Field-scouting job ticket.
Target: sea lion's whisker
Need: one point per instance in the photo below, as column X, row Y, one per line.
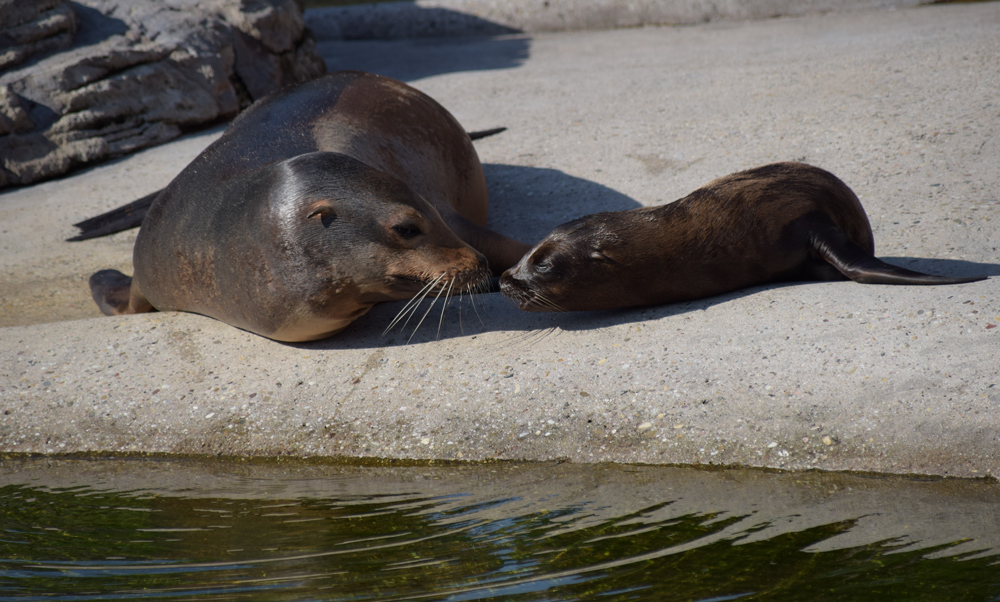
column 546, row 302
column 534, row 300
column 472, row 300
column 444, row 306
column 411, row 305
column 408, row 308
column 512, row 299
column 433, row 302
column 473, row 288
column 426, row 291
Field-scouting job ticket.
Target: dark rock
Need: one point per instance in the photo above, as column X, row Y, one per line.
column 13, row 118
column 33, row 27
column 91, row 80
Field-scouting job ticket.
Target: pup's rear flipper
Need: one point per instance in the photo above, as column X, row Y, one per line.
column 112, row 291
column 860, row 266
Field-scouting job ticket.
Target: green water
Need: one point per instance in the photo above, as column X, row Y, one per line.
column 103, row 529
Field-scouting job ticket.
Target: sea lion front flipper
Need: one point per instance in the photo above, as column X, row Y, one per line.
column 860, row 266
column 114, row 294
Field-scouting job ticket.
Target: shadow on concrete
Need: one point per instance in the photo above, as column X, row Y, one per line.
column 526, row 203
column 945, row 267
column 396, row 21
column 413, row 59
column 409, row 42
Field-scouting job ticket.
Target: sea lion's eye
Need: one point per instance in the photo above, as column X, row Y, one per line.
column 543, row 267
column 602, row 257
column 407, row 231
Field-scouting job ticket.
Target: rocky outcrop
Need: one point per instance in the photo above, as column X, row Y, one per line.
column 91, row 80
column 31, row 28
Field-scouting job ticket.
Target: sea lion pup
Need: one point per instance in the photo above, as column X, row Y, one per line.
column 315, row 204
column 779, row 222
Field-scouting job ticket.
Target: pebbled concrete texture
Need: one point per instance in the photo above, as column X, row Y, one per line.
column 902, row 105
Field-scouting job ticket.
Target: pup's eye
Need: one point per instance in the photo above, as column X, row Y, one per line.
column 600, row 256
column 407, row 231
column 543, row 267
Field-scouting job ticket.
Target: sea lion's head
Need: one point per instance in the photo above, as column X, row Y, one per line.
column 585, row 264
column 351, row 236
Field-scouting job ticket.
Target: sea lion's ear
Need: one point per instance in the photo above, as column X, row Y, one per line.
column 323, row 211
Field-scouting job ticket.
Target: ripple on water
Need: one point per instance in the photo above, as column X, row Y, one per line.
column 102, row 529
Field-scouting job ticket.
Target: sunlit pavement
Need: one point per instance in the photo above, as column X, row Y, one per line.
column 902, row 105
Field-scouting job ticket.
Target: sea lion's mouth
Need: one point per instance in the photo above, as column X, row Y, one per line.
column 443, row 286
column 513, row 290
column 447, row 283
column 400, row 281
column 526, row 297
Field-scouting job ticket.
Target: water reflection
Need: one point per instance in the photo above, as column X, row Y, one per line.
column 78, row 529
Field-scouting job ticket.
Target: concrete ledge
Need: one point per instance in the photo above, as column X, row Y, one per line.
column 838, row 376
column 777, row 377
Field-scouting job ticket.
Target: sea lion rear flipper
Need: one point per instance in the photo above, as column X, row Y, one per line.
column 112, row 291
column 860, row 266
column 484, row 133
column 122, row 218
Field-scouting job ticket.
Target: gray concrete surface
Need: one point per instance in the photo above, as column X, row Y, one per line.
column 902, row 105
column 436, row 18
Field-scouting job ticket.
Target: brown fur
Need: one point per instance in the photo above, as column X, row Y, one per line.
column 779, row 222
column 314, row 205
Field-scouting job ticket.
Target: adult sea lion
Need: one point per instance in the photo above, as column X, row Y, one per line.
column 315, row 204
column 779, row 222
